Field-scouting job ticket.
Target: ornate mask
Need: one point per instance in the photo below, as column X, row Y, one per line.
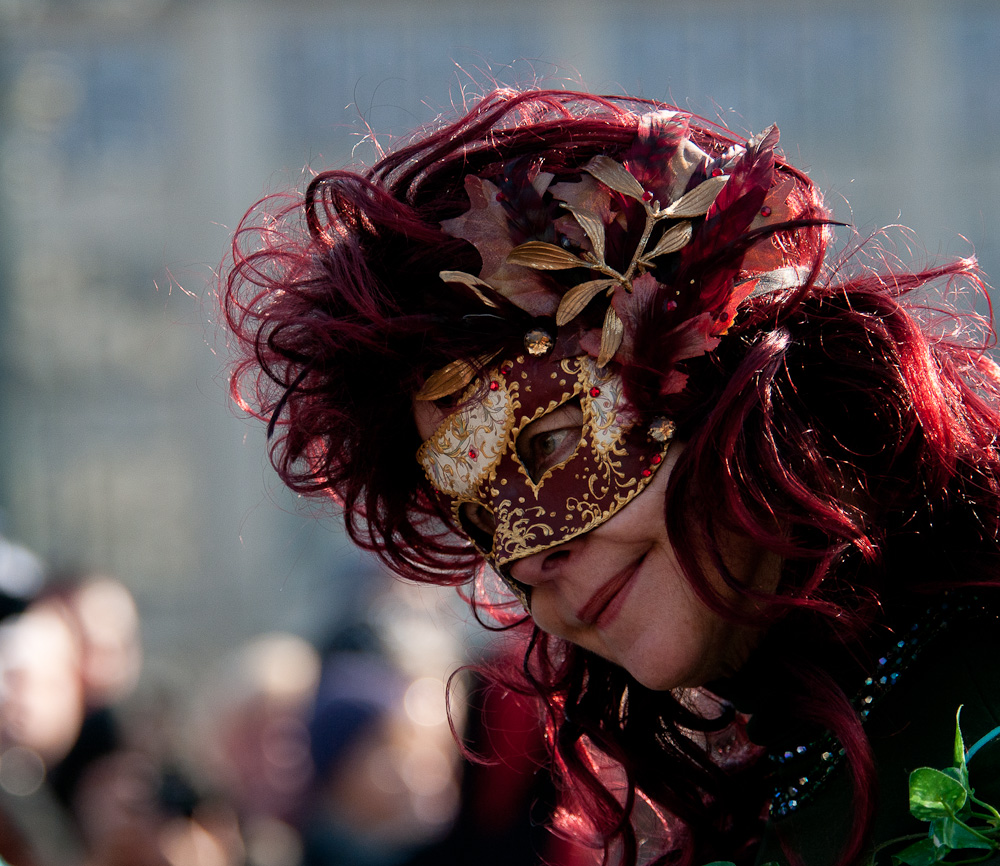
column 538, row 452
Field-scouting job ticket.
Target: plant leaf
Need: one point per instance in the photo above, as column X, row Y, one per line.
column 934, row 794
column 611, row 337
column 544, row 257
column 956, row 834
column 615, row 176
column 923, row 853
column 591, row 223
column 959, row 741
column 578, row 297
column 674, row 238
column 474, row 283
column 697, row 201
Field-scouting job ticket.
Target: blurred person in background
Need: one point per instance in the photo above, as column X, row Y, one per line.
column 740, row 497
column 248, row 741
column 76, row 786
column 385, row 770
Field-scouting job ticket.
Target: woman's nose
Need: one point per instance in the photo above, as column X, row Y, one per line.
column 539, row 567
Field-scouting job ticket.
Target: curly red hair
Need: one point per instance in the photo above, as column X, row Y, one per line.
column 838, row 425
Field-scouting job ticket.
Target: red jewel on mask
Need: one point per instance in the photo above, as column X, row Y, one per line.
column 494, row 385
column 655, row 459
column 595, row 392
column 765, row 211
column 647, row 196
column 473, row 455
column 717, row 172
column 646, row 473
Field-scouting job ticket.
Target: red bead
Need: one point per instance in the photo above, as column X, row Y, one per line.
column 501, row 196
column 494, row 385
column 655, row 459
column 671, row 305
column 595, row 392
column 646, row 473
column 505, row 371
column 647, row 196
column 717, row 172
column 473, row 455
column 765, row 211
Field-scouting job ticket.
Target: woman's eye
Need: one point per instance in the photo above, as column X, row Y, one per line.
column 479, row 524
column 548, row 441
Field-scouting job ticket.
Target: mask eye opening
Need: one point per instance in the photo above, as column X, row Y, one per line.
column 550, row 440
column 479, row 524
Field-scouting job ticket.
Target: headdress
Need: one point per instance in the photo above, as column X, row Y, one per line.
column 666, row 231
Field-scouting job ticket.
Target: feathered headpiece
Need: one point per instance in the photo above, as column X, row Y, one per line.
column 668, row 225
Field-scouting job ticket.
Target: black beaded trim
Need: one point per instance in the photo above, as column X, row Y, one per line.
column 809, row 766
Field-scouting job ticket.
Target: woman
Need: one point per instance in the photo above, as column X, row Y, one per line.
column 725, row 477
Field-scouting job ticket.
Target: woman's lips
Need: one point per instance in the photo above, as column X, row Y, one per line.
column 599, row 602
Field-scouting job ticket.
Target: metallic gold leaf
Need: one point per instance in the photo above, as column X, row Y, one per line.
column 578, row 297
column 544, row 257
column 611, row 337
column 699, row 200
column 447, row 380
column 474, row 283
column 614, row 175
column 452, row 377
column 674, row 238
column 591, row 223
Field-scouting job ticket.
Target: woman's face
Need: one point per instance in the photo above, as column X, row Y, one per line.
column 619, row 591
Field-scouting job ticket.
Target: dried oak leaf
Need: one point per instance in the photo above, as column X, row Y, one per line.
column 586, row 196
column 486, row 227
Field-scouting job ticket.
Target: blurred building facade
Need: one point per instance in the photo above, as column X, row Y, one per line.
column 134, row 134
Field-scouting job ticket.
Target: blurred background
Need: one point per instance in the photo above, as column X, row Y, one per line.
column 133, row 136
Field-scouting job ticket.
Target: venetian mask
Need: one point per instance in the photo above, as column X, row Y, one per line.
column 539, row 451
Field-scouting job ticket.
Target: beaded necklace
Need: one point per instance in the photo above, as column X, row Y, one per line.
column 801, row 771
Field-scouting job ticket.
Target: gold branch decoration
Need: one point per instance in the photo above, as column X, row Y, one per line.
column 549, row 257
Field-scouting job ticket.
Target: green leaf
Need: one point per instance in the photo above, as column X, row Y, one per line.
column 959, row 742
column 934, row 794
column 961, row 775
column 955, row 834
column 923, row 853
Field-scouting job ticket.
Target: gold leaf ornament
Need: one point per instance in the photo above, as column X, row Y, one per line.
column 544, row 257
column 592, row 226
column 615, row 176
column 452, row 377
column 675, row 238
column 697, row 201
column 578, row 297
column 611, row 336
column 477, row 285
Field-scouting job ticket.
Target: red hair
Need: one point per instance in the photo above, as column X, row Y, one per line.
column 837, row 425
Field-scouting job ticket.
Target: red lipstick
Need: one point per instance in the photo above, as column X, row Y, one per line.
column 601, row 600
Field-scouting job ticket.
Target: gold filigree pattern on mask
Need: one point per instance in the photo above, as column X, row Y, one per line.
column 468, row 445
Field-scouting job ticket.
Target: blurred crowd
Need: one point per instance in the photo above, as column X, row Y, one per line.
column 281, row 753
